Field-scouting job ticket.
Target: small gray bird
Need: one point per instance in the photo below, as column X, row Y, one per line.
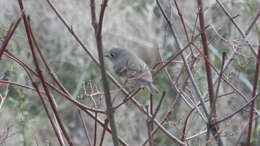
column 127, row 64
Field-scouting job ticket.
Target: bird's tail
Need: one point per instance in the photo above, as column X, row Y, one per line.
column 152, row 89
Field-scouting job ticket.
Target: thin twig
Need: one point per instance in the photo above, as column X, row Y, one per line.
column 49, row 69
column 237, row 27
column 209, row 76
column 243, row 131
column 95, row 131
column 148, row 125
column 136, row 103
column 224, row 78
column 173, row 105
column 18, row 85
column 75, row 102
column 46, row 109
column 84, row 127
column 101, row 123
column 186, row 124
column 98, row 35
column 252, row 23
column 103, row 133
column 179, row 47
column 158, row 106
column 30, row 41
column 2, row 99
column 183, row 24
column 149, row 120
column 253, row 94
column 237, row 111
column 8, row 36
column 219, row 79
column 196, row 135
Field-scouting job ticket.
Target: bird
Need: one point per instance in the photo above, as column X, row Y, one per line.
column 127, row 64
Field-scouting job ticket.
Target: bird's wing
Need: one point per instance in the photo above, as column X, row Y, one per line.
column 125, row 67
column 141, row 71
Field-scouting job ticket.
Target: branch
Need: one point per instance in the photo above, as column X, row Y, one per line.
column 237, row 111
column 213, row 112
column 135, row 102
column 252, row 23
column 75, row 102
column 253, row 94
column 8, row 36
column 179, row 47
column 98, row 34
column 237, row 27
column 30, row 41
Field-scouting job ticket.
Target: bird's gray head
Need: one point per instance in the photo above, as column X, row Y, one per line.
column 115, row 54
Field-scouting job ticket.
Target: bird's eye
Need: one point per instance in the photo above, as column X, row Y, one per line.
column 113, row 54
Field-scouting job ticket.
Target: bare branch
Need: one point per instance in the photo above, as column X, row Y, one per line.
column 8, row 36
column 237, row 27
column 179, row 46
column 253, row 94
column 252, row 23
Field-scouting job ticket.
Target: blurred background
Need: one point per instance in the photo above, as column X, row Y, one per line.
column 139, row 27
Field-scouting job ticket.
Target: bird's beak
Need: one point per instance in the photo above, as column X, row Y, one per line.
column 106, row 54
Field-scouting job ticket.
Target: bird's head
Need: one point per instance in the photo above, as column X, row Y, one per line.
column 115, row 54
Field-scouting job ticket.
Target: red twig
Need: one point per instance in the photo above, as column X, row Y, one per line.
column 43, row 102
column 99, row 42
column 50, row 71
column 138, row 105
column 179, row 47
column 252, row 23
column 173, row 105
column 85, row 127
column 46, row 110
column 103, row 125
column 151, row 124
column 17, row 84
column 95, row 131
column 236, row 26
column 253, row 94
column 8, row 36
column 30, row 41
column 183, row 24
column 223, row 77
column 236, row 111
column 213, row 113
column 243, row 131
column 205, row 49
column 25, row 66
column 103, row 133
column 185, row 124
